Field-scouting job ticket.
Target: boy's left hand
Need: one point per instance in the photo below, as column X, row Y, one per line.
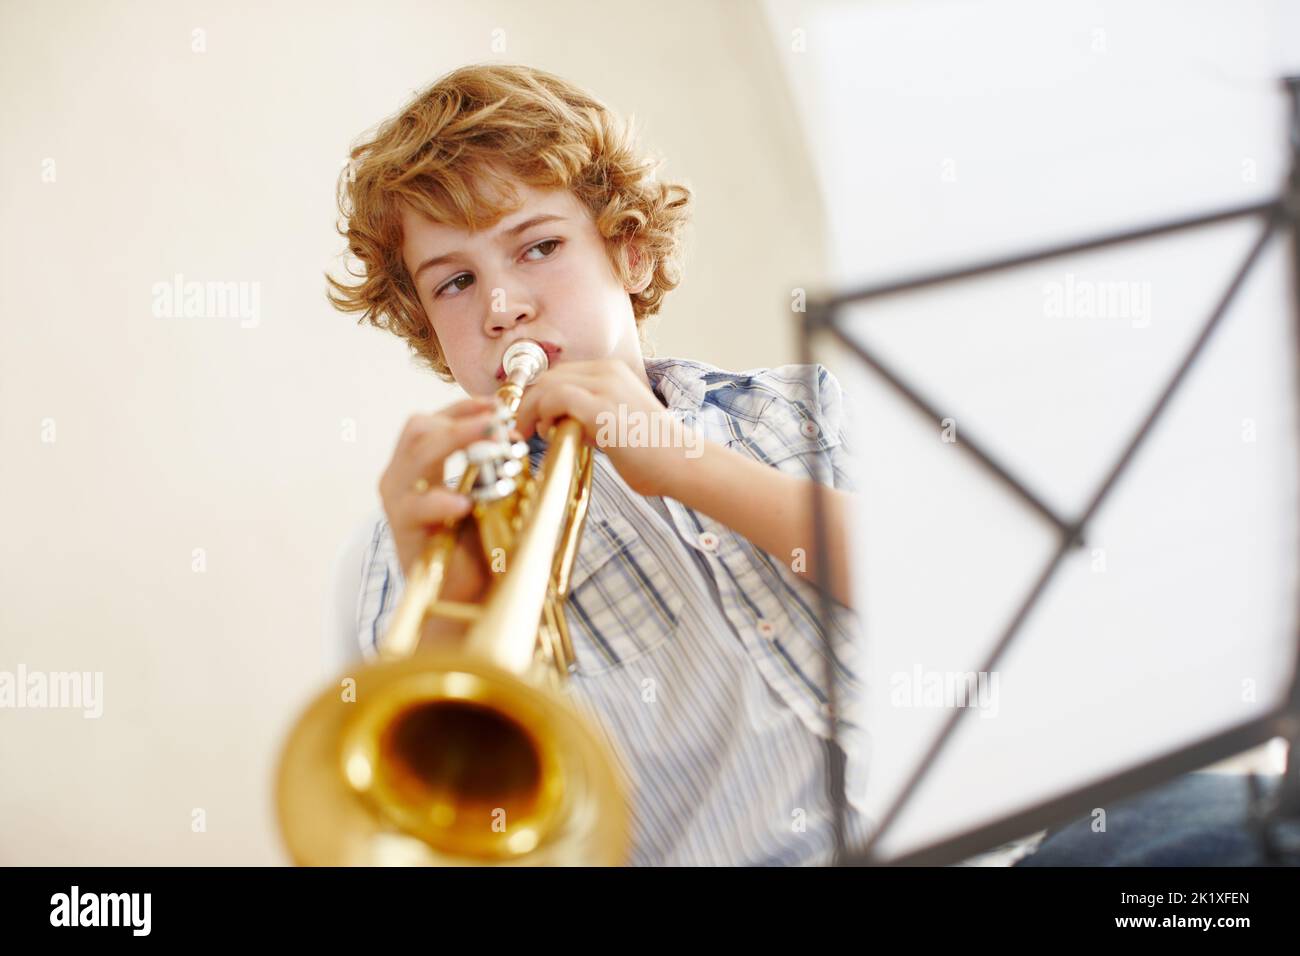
column 619, row 415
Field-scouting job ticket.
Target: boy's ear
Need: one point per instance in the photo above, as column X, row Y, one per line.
column 634, row 266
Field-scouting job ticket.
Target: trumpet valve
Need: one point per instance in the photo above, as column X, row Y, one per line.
column 498, row 467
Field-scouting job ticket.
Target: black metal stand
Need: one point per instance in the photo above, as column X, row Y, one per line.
column 822, row 317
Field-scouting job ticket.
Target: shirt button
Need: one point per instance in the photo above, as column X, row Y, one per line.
column 809, row 428
column 708, row 541
column 766, row 628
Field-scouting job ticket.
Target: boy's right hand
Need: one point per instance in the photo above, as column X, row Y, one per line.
column 414, row 516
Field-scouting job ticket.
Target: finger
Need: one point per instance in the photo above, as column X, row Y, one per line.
column 526, row 412
column 597, row 375
column 433, row 508
column 424, row 456
column 526, row 415
column 596, row 378
column 429, row 453
column 424, row 423
column 547, row 384
column 568, row 400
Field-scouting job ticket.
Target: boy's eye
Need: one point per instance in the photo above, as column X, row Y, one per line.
column 544, row 242
column 454, row 281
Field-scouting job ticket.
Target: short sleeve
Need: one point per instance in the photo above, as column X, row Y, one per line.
column 834, row 419
column 794, row 418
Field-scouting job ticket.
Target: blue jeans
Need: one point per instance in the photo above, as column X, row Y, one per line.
column 1201, row 819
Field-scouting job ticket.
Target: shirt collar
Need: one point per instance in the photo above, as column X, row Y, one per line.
column 683, row 383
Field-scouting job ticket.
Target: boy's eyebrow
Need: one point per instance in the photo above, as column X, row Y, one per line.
column 504, row 234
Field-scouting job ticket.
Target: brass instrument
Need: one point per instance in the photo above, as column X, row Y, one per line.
column 469, row 755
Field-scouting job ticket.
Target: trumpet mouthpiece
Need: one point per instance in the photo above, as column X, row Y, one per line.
column 525, row 359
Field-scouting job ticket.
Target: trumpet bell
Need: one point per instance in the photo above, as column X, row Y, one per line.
column 439, row 760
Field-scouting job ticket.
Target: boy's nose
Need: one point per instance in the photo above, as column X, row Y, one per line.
column 507, row 320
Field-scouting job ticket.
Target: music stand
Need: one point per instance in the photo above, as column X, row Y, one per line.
column 823, row 317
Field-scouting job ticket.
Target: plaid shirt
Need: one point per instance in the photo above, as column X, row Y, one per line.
column 696, row 651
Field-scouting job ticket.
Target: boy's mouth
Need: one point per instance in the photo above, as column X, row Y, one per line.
column 550, row 348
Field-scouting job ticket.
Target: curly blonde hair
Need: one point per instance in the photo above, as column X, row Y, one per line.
column 449, row 154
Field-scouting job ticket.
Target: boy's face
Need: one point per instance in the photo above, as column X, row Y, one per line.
column 551, row 281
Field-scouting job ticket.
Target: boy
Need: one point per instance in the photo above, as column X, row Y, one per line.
column 504, row 203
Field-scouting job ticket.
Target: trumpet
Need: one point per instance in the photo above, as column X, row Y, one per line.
column 471, row 755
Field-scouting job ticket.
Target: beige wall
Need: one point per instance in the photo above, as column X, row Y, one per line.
column 128, row 441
